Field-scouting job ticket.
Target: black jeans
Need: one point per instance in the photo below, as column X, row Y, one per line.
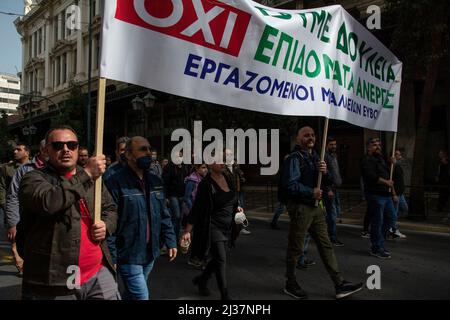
column 367, row 216
column 217, row 264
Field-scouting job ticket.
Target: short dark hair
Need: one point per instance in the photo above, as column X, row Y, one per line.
column 331, row 139
column 22, row 144
column 196, row 166
column 121, row 140
column 372, row 140
column 83, row 148
column 59, row 127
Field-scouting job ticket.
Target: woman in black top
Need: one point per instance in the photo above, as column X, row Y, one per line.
column 213, row 217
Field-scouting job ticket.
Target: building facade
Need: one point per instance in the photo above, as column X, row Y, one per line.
column 55, row 51
column 56, row 55
column 9, row 93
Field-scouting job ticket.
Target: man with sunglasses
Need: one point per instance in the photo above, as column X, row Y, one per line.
column 66, row 257
column 142, row 219
column 379, row 190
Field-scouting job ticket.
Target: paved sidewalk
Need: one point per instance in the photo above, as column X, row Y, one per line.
column 353, row 219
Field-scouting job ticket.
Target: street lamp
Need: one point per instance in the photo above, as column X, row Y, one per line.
column 149, row 100
column 137, row 103
column 25, row 131
column 31, row 129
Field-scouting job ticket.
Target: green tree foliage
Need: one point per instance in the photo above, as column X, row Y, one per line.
column 4, row 137
column 73, row 112
column 421, row 40
column 419, row 26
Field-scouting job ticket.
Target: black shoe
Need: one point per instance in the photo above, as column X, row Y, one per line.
column 382, row 254
column 337, row 243
column 294, row 290
column 347, row 288
column 195, row 262
column 201, row 284
column 224, row 295
column 305, row 264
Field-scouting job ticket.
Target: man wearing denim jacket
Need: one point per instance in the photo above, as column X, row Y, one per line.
column 142, row 217
column 300, row 178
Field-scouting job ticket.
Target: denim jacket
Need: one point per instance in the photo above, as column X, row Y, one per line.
column 299, row 176
column 134, row 205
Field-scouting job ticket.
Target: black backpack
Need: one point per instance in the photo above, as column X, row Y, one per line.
column 283, row 193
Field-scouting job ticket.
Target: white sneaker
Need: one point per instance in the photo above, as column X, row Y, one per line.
column 245, row 231
column 399, row 234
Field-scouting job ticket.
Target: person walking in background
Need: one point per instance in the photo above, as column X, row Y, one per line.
column 121, row 160
column 7, row 170
column 403, row 207
column 400, row 204
column 379, row 190
column 280, row 206
column 174, row 176
column 7, row 173
column 192, row 182
column 331, row 198
column 155, row 167
column 108, row 161
column 12, row 214
column 237, row 176
column 164, row 163
column 83, row 156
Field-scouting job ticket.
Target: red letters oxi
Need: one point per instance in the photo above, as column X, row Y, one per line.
column 211, row 24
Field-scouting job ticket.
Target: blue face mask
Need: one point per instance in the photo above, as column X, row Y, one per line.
column 123, row 158
column 144, row 162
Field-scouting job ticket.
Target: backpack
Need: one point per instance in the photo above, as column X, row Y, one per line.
column 283, row 194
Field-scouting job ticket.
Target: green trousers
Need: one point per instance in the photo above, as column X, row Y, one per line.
column 304, row 219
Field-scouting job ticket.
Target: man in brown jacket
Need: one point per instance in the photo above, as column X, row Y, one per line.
column 65, row 254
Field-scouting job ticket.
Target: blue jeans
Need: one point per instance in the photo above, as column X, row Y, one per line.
column 401, row 207
column 333, row 208
column 382, row 214
column 241, row 199
column 135, row 279
column 175, row 212
column 279, row 209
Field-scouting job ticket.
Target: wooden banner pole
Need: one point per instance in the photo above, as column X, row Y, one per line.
column 394, row 145
column 99, row 128
column 322, row 152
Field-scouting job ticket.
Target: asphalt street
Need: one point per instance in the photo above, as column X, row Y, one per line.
column 419, row 268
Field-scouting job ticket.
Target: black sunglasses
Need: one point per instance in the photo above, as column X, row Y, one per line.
column 59, row 145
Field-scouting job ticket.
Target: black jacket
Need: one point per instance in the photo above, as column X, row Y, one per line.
column 399, row 180
column 200, row 217
column 173, row 178
column 373, row 168
column 237, row 176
